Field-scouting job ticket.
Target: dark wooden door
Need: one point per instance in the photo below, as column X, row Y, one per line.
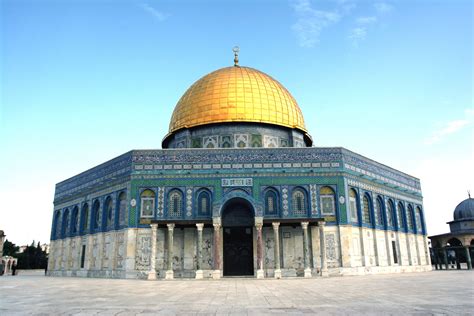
column 238, row 251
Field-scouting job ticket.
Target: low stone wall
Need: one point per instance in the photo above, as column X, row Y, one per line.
column 30, row 272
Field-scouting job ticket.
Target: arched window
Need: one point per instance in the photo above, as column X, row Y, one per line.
column 175, row 203
column 298, row 198
column 400, row 217
column 96, row 214
column 57, row 215
column 147, row 199
column 353, row 206
column 390, row 214
column 410, row 218
column 109, row 212
column 419, row 223
column 75, row 220
column 85, row 217
column 326, row 200
column 271, row 202
column 65, row 223
column 379, row 211
column 122, row 206
column 204, row 203
column 366, row 217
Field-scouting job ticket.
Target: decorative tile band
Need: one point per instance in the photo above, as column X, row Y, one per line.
column 378, row 190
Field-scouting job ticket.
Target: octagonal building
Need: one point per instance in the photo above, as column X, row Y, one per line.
column 238, row 190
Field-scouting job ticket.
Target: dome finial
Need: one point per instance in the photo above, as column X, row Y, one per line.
column 236, row 51
column 469, row 193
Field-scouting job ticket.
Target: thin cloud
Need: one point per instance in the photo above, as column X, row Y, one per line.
column 383, row 7
column 311, row 22
column 160, row 16
column 357, row 34
column 366, row 20
column 450, row 128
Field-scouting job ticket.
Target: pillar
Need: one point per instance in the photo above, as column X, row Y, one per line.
column 445, row 255
column 440, row 256
column 216, row 274
column 2, row 238
column 427, row 253
column 307, row 266
column 324, row 265
column 435, row 258
column 199, row 273
column 152, row 272
column 276, row 236
column 169, row 272
column 468, row 258
column 456, row 258
column 260, row 272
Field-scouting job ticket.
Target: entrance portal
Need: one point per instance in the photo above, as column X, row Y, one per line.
column 238, row 221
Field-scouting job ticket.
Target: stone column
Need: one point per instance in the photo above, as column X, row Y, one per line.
column 445, row 255
column 260, row 272
column 307, row 268
column 468, row 258
column 2, row 238
column 199, row 273
column 216, row 274
column 169, row 272
column 427, row 252
column 440, row 257
column 436, row 259
column 277, row 259
column 152, row 272
column 456, row 258
column 324, row 265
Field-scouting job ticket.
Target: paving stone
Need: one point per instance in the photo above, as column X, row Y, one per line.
column 434, row 293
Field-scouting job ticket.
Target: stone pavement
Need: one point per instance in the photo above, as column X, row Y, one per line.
column 436, row 292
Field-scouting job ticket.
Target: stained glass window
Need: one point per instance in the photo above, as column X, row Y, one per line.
column 122, row 207
column 401, row 220
column 379, row 211
column 204, row 203
column 85, row 214
column 175, row 206
column 366, row 210
column 353, row 205
column 298, row 198
column 147, row 199
column 271, row 203
column 410, row 218
column 390, row 214
column 326, row 199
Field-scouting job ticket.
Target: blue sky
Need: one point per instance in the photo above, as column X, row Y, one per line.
column 85, row 81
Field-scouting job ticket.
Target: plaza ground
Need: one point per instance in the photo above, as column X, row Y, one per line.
column 436, row 292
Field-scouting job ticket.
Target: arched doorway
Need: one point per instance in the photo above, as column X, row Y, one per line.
column 238, row 222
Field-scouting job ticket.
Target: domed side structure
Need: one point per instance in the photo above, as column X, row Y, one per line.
column 237, row 107
column 456, row 246
column 464, row 210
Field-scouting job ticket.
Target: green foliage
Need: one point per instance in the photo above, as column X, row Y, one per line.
column 10, row 249
column 32, row 258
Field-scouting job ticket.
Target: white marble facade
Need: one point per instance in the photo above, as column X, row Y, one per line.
column 348, row 250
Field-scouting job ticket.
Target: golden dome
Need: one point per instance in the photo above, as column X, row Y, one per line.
column 236, row 94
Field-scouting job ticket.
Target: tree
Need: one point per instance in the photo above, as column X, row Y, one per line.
column 33, row 257
column 10, row 249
